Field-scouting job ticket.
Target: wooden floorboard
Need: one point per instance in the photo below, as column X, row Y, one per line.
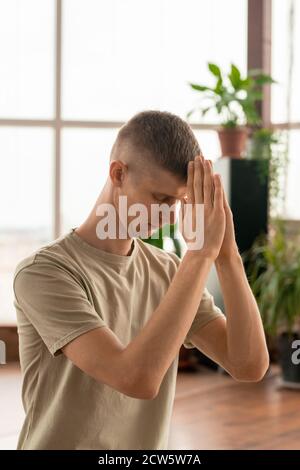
column 211, row 411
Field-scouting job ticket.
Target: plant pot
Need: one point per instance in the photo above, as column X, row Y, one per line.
column 233, row 141
column 290, row 370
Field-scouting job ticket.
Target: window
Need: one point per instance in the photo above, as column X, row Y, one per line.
column 286, row 60
column 26, row 206
column 72, row 71
column 120, row 57
column 85, row 167
column 285, row 110
column 292, row 209
column 27, row 58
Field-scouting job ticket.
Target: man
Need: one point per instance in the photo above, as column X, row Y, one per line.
column 101, row 320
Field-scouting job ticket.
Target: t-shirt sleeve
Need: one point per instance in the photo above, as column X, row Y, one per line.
column 207, row 310
column 55, row 303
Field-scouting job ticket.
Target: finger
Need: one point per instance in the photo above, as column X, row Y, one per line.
column 226, row 205
column 180, row 215
column 218, row 192
column 208, row 184
column 198, row 180
column 213, row 184
column 225, row 200
column 190, row 183
column 181, row 210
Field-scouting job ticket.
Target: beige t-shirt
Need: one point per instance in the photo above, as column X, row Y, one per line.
column 69, row 287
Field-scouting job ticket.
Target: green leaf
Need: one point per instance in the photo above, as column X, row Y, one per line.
column 215, row 70
column 264, row 80
column 246, row 83
column 205, row 110
column 219, row 106
column 190, row 112
column 260, row 78
column 219, row 87
column 235, row 77
column 230, row 124
column 197, row 87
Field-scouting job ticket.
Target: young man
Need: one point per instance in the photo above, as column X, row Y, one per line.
column 101, row 321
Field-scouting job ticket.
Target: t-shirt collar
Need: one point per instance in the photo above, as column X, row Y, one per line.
column 112, row 258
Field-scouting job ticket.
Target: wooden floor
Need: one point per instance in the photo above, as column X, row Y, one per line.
column 211, row 411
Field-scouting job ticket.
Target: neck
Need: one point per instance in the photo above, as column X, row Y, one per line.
column 87, row 230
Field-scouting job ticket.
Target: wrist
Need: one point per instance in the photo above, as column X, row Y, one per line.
column 202, row 255
column 230, row 257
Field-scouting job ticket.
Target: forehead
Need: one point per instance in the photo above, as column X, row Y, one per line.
column 164, row 182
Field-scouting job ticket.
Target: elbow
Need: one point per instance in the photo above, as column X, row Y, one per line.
column 136, row 380
column 140, row 387
column 148, row 394
column 143, row 391
column 252, row 372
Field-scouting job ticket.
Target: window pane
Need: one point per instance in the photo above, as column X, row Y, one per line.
column 26, row 192
column 85, row 164
column 282, row 33
column 121, row 57
column 27, row 58
column 292, row 186
column 209, row 144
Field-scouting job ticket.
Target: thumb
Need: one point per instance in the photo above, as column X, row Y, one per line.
column 181, row 216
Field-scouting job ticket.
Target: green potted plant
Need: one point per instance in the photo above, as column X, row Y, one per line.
column 274, row 275
column 235, row 99
column 268, row 147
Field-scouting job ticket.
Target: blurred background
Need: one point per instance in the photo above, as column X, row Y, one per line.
column 72, row 72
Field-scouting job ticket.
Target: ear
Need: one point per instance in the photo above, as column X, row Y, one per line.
column 117, row 172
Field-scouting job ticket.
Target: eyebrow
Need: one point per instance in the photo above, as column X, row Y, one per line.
column 167, row 195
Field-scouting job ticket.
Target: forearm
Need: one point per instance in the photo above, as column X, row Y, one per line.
column 155, row 347
column 246, row 345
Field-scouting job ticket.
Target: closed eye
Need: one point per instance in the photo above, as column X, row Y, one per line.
column 169, row 201
column 160, row 199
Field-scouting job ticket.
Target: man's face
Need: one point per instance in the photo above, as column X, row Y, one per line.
column 151, row 189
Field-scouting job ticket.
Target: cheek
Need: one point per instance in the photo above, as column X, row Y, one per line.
column 141, row 206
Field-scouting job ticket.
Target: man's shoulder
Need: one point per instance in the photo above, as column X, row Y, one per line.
column 49, row 254
column 24, row 263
